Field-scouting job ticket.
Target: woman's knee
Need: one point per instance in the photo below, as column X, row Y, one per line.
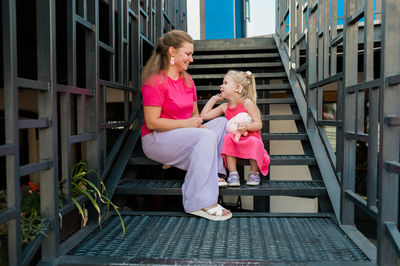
column 208, row 136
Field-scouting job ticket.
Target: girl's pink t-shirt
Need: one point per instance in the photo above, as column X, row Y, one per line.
column 173, row 96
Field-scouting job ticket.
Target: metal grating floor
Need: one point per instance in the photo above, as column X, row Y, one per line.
column 251, row 238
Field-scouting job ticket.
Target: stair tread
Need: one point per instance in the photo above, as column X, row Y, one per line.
column 281, row 117
column 239, row 65
column 262, row 101
column 179, row 238
column 269, row 187
column 284, row 136
column 234, row 56
column 141, row 159
column 259, row 87
column 256, row 75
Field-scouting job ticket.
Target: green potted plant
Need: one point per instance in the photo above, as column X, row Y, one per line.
column 81, row 185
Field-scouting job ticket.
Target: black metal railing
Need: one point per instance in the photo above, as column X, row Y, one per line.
column 349, row 63
column 83, row 84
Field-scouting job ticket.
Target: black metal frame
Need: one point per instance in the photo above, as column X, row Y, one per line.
column 310, row 53
column 104, row 52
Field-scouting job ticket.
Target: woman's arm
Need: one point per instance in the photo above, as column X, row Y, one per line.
column 195, row 110
column 256, row 125
column 208, row 113
column 155, row 122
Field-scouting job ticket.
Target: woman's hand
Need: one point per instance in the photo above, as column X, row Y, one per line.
column 195, row 121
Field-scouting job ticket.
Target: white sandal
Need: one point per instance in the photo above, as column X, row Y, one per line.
column 214, row 214
column 222, row 183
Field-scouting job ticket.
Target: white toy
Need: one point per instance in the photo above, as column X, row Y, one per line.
column 232, row 126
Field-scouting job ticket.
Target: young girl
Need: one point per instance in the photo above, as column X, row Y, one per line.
column 239, row 88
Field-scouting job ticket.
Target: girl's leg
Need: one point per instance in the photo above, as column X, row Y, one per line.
column 253, row 166
column 231, row 163
column 193, row 150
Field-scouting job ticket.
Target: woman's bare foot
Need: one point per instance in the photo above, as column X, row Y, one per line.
column 165, row 166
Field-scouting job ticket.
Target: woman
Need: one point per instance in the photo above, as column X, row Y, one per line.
column 173, row 132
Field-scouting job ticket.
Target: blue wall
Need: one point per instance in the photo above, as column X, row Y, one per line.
column 220, row 20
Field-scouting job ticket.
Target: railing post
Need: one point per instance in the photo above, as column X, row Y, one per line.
column 350, row 49
column 9, row 34
column 389, row 134
column 47, row 105
column 312, row 62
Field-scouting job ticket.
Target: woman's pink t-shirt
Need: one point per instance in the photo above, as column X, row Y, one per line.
column 173, row 96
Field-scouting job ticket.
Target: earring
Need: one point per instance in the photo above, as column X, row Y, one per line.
column 172, row 60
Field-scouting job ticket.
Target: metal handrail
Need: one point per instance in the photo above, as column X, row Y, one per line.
column 312, row 26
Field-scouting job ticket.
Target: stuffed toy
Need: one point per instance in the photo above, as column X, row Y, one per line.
column 232, row 126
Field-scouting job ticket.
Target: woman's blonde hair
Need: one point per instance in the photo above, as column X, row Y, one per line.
column 160, row 58
column 247, row 82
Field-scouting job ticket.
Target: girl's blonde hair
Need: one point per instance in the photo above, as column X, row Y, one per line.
column 160, row 58
column 248, row 84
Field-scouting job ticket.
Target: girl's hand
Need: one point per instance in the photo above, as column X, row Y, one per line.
column 217, row 97
column 194, row 121
column 242, row 127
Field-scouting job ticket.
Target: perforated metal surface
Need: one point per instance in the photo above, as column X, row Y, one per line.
column 269, row 187
column 272, row 239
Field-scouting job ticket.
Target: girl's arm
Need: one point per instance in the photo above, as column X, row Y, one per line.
column 155, row 122
column 208, row 113
column 256, row 125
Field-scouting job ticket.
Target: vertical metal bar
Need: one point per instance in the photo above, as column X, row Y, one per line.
column 65, row 133
column 92, row 107
column 312, row 63
column 378, row 7
column 11, row 126
column 326, row 40
column 277, row 16
column 134, row 42
column 71, row 43
column 322, row 53
column 350, row 47
column 120, row 41
column 373, row 111
column 333, row 35
column 47, row 104
column 339, row 129
column 111, row 8
column 80, row 106
column 389, row 135
column 292, row 33
column 85, row 14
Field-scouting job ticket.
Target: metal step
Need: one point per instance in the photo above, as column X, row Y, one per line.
column 281, row 117
column 239, row 65
column 262, row 101
column 209, row 57
column 261, row 87
column 284, row 136
column 239, row 45
column 181, row 239
column 140, row 159
column 268, row 75
column 266, row 188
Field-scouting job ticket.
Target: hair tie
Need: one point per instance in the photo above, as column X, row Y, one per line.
column 248, row 74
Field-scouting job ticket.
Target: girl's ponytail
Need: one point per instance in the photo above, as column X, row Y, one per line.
column 251, row 91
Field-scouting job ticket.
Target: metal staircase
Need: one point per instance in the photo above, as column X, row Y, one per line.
column 254, row 236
